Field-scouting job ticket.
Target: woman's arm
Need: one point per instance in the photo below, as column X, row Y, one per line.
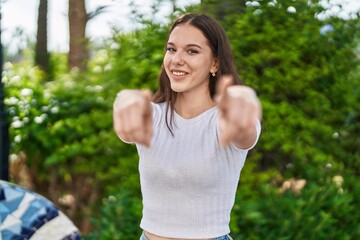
column 240, row 112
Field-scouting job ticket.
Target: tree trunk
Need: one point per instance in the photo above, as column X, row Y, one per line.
column 4, row 126
column 41, row 51
column 78, row 44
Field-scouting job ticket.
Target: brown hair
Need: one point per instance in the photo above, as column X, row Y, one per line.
column 220, row 46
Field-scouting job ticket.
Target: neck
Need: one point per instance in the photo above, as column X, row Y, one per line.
column 192, row 107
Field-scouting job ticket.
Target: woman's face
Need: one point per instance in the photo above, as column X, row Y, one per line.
column 188, row 60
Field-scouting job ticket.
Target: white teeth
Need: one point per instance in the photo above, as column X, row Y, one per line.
column 178, row 73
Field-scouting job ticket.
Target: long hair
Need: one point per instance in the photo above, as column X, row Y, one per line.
column 220, row 47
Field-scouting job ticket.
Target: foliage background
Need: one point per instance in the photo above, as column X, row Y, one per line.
column 300, row 182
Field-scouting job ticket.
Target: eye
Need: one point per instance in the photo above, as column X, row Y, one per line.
column 170, row 49
column 192, row 51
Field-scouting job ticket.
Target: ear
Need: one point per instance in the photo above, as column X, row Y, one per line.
column 215, row 66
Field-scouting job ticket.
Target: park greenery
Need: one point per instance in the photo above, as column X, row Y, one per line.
column 300, row 181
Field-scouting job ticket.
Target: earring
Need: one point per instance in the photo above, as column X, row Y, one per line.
column 213, row 74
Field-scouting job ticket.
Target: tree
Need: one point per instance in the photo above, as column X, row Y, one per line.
column 221, row 9
column 41, row 52
column 4, row 132
column 78, row 18
column 78, row 43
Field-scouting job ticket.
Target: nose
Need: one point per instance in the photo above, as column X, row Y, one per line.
column 178, row 59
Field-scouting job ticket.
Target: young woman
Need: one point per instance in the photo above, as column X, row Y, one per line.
column 192, row 136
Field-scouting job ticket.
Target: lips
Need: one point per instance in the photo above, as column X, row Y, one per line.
column 178, row 73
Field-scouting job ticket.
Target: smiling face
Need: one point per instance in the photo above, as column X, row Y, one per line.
column 188, row 60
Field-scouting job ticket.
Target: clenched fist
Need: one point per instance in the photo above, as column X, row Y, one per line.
column 132, row 116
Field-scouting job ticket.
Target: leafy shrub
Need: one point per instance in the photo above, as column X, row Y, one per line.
column 65, row 130
column 306, row 79
column 120, row 217
column 301, row 74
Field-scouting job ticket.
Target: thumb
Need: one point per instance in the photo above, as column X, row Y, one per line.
column 223, row 83
column 147, row 94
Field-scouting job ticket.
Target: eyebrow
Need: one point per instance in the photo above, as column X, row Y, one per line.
column 188, row 45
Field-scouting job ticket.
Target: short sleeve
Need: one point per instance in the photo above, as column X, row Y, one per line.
column 258, row 131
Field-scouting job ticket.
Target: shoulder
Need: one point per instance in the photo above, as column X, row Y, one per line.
column 158, row 110
column 158, row 107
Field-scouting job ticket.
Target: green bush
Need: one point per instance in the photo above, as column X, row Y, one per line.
column 120, row 217
column 265, row 209
column 65, row 130
column 301, row 76
column 306, row 79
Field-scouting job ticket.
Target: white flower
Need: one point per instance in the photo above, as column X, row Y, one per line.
column 88, row 88
column 335, row 135
column 338, row 180
column 12, row 111
column 12, row 101
column 15, row 118
column 103, row 53
column 15, row 79
column 26, row 92
column 115, row 46
column 47, row 93
column 289, row 166
column 99, row 99
column 326, row 29
column 5, row 79
column 26, row 110
column 272, row 4
column 328, row 165
column 248, row 3
column 97, row 69
column 98, row 88
column 17, row 139
column 291, row 9
column 65, row 104
column 54, row 110
column 17, row 124
column 111, row 198
column 257, row 12
column 40, row 119
column 255, row 4
column 8, row 65
column 70, row 83
column 108, row 67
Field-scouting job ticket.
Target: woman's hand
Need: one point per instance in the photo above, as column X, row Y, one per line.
column 240, row 109
column 132, row 116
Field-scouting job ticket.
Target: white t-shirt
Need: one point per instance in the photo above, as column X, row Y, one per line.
column 188, row 181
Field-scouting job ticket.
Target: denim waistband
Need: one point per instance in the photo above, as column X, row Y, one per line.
column 225, row 237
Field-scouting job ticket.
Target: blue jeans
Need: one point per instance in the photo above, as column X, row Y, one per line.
column 226, row 237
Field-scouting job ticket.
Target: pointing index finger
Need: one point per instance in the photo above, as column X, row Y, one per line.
column 225, row 82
